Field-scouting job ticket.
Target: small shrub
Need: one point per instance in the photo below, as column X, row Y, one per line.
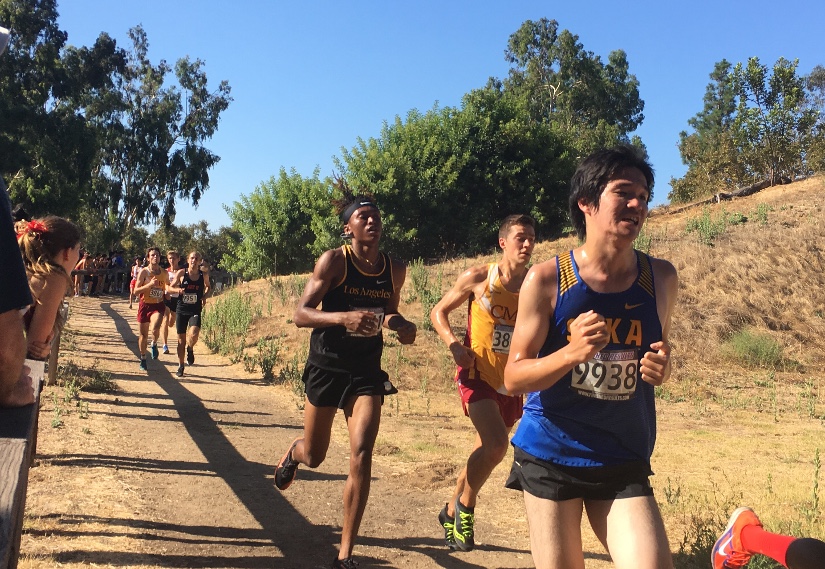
column 249, row 364
column 268, row 356
column 735, row 218
column 761, row 213
column 707, row 228
column 643, row 241
column 756, row 350
column 428, row 293
column 291, row 375
column 75, row 379
column 226, row 325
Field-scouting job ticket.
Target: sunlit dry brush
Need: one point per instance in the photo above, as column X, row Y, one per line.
column 764, row 276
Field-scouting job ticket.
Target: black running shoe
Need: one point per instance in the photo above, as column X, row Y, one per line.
column 348, row 563
column 179, row 373
column 464, row 529
column 448, row 524
column 190, row 355
column 286, row 469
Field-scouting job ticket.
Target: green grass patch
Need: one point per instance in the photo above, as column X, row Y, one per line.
column 755, row 350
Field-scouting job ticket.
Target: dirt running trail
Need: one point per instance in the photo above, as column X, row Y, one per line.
column 170, row 472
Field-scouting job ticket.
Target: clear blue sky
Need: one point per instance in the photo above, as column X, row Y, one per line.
column 308, row 78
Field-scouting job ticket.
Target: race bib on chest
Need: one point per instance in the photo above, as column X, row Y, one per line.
column 156, row 293
column 502, row 335
column 610, row 375
column 378, row 311
column 189, row 298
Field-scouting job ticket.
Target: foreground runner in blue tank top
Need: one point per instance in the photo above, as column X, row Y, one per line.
column 589, row 345
column 598, row 414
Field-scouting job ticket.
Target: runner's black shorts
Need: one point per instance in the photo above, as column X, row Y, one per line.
column 326, row 388
column 183, row 321
column 171, row 303
column 551, row 481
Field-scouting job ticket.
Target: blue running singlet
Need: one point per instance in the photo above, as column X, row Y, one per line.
column 601, row 413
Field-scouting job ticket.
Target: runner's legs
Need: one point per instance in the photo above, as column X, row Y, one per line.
column 632, row 530
column 143, row 338
column 555, row 532
column 192, row 336
column 363, row 415
column 492, row 442
column 155, row 322
column 169, row 321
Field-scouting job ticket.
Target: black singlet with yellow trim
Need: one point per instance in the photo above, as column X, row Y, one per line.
column 335, row 348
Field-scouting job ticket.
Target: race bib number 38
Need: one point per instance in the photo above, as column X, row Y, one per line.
column 609, row 375
column 502, row 335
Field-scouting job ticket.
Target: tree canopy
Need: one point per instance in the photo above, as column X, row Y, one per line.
column 758, row 123
column 445, row 178
column 96, row 133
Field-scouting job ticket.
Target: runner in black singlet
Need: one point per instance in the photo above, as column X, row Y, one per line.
column 358, row 288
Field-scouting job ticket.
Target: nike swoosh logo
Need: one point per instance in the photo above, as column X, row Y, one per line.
column 632, row 306
column 723, row 549
column 381, row 282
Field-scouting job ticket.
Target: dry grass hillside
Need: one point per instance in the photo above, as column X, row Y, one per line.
column 741, row 421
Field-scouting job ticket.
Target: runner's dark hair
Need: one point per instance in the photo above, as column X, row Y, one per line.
column 348, row 195
column 515, row 219
column 594, row 173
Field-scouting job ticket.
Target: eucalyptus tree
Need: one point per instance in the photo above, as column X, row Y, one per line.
column 152, row 137
column 47, row 148
column 571, row 87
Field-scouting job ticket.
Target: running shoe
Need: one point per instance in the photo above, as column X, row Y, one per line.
column 464, row 528
column 448, row 524
column 143, row 365
column 348, row 563
column 154, row 351
column 179, row 373
column 728, row 552
column 165, row 349
column 190, row 355
column 286, row 469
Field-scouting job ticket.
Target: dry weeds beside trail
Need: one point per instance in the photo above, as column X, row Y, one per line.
column 177, row 473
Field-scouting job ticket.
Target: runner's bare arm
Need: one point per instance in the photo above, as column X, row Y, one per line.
column 206, row 289
column 405, row 329
column 461, row 291
column 328, row 273
column 144, row 282
column 656, row 366
column 176, row 282
column 525, row 371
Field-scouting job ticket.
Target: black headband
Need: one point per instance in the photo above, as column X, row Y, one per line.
column 357, row 204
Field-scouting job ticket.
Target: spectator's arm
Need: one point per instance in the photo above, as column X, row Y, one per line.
column 15, row 390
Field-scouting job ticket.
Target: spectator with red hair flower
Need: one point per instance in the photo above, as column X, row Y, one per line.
column 50, row 249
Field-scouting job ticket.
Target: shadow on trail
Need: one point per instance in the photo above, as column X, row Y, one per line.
column 249, row 481
column 219, row 423
column 168, row 406
column 278, row 524
column 178, row 467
